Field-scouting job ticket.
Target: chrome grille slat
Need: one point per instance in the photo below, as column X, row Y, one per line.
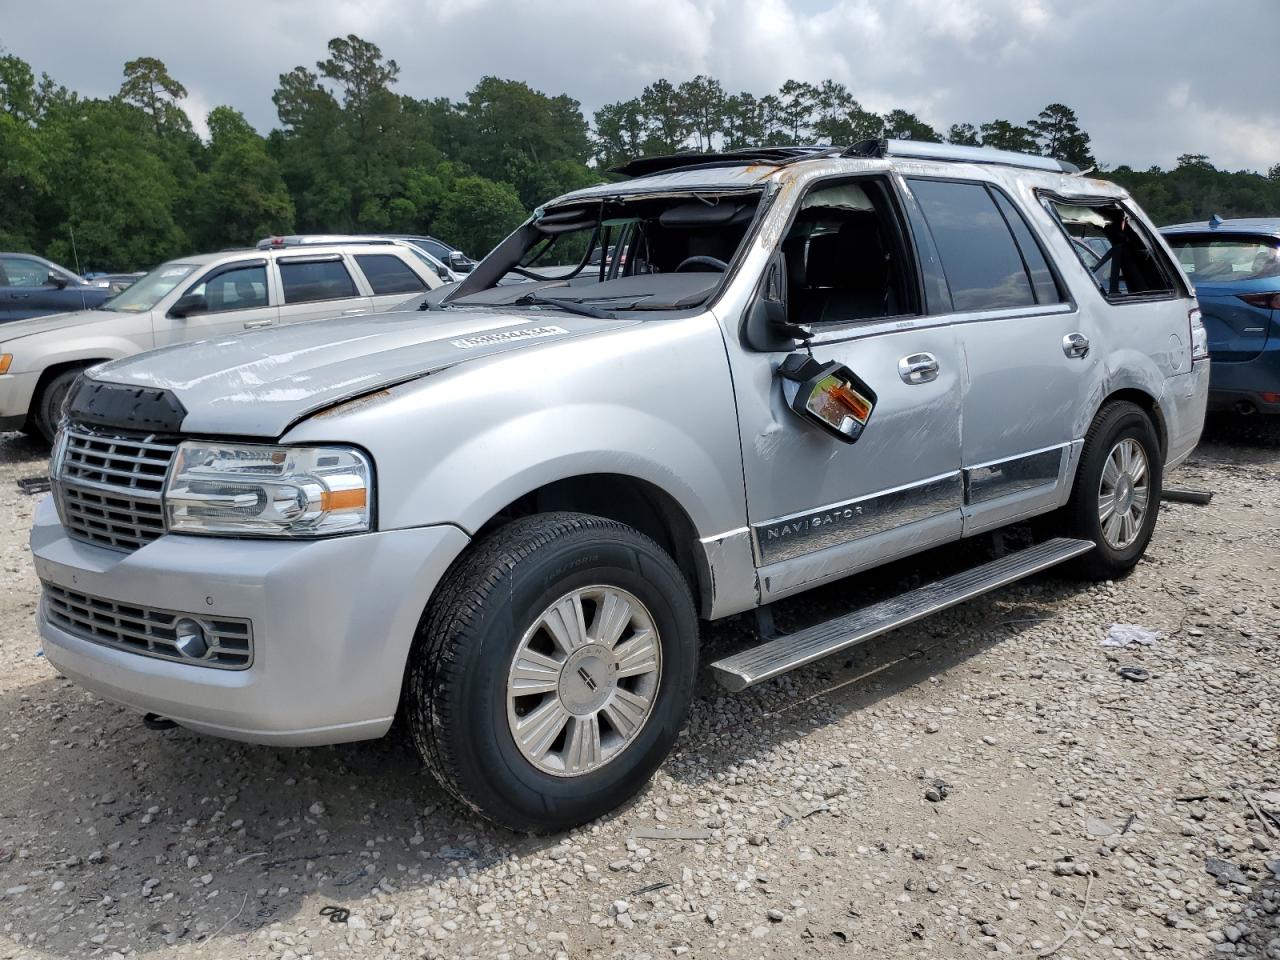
column 109, row 486
column 145, row 630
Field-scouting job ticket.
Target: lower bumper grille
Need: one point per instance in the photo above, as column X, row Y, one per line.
column 225, row 643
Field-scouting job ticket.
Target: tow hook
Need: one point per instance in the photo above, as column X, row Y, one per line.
column 153, row 721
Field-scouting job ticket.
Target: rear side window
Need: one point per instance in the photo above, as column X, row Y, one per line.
column 389, row 274
column 306, row 281
column 1219, row 259
column 1116, row 250
column 982, row 262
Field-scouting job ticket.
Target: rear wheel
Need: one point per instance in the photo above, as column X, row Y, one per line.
column 46, row 412
column 1116, row 498
column 554, row 670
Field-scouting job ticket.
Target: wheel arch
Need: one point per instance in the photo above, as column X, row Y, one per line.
column 1148, row 404
column 52, row 371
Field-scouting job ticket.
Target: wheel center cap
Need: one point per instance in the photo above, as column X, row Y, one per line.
column 1124, row 494
column 587, row 679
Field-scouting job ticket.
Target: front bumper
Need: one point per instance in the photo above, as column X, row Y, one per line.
column 333, row 621
column 16, row 390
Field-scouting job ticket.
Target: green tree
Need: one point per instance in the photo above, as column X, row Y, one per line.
column 476, row 214
column 243, row 196
column 149, row 87
column 744, row 121
column 1058, row 131
column 665, row 118
column 620, row 132
column 798, row 102
column 1003, row 135
column 901, row 125
column 963, row 135
column 702, row 101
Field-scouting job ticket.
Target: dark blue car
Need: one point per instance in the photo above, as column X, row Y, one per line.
column 1235, row 267
column 32, row 286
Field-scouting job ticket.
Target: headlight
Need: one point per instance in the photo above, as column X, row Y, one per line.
column 261, row 490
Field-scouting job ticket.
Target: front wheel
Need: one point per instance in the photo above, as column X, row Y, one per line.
column 47, row 410
column 1116, row 497
column 553, row 671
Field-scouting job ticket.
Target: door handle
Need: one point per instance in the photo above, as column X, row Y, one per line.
column 255, row 324
column 1075, row 345
column 356, row 312
column 918, row 368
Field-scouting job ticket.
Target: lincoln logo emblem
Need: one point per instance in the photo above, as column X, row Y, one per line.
column 586, row 677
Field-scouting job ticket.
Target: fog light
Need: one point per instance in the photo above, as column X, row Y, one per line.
column 190, row 639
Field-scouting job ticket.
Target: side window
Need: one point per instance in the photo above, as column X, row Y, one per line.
column 306, row 281
column 1115, row 249
column 389, row 274
column 981, row 260
column 239, row 288
column 25, row 273
column 845, row 258
column 1042, row 281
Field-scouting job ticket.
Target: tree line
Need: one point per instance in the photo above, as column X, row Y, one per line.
column 124, row 182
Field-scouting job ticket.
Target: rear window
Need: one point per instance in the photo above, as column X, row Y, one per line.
column 310, row 280
column 1218, row 259
column 389, row 274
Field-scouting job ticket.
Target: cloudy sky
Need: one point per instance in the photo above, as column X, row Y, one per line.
column 1150, row 79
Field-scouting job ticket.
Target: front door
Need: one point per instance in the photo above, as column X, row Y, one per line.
column 236, row 298
column 820, row 508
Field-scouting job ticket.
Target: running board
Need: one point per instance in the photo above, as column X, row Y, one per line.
column 775, row 657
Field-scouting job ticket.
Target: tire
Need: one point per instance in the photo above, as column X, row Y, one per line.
column 46, row 412
column 1119, row 426
column 497, row 601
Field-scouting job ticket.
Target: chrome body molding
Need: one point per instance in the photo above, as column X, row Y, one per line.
column 1001, row 478
column 793, row 536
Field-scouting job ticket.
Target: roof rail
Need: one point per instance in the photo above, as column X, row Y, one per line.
column 773, row 156
column 920, row 150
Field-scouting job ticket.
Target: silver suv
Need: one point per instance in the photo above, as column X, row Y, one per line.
column 195, row 298
column 502, row 515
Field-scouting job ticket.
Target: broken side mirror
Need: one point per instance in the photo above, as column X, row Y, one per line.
column 828, row 395
column 766, row 326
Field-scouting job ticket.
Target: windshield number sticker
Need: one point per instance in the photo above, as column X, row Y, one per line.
column 507, row 336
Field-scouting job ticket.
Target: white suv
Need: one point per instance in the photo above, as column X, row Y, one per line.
column 196, row 298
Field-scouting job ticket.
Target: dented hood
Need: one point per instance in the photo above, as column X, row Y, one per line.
column 258, row 384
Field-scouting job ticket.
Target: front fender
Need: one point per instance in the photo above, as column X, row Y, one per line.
column 652, row 401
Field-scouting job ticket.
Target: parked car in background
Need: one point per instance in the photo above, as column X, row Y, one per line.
column 456, row 260
column 32, row 286
column 440, row 264
column 502, row 520
column 115, row 282
column 1235, row 268
column 195, row 298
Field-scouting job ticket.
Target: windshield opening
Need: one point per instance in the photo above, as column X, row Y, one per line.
column 151, row 289
column 668, row 252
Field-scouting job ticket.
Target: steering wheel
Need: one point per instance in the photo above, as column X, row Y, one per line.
column 703, row 262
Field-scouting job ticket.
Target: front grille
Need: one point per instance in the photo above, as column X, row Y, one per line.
column 109, row 486
column 146, row 630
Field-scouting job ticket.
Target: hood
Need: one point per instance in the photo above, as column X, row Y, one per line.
column 13, row 329
column 258, row 384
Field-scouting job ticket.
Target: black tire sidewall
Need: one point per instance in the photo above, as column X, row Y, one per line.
column 490, row 766
column 1124, row 421
column 49, row 408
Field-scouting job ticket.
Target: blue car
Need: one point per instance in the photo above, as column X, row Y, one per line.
column 1235, row 268
column 32, row 286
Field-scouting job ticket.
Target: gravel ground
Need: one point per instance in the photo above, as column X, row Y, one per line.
column 986, row 781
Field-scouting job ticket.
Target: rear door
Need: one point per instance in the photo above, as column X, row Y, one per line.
column 318, row 285
column 1237, row 281
column 391, row 281
column 1024, row 385
column 238, row 297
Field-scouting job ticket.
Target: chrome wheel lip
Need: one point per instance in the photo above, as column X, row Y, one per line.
column 566, row 674
column 1124, row 493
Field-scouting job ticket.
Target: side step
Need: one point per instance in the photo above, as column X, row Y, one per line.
column 775, row 657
